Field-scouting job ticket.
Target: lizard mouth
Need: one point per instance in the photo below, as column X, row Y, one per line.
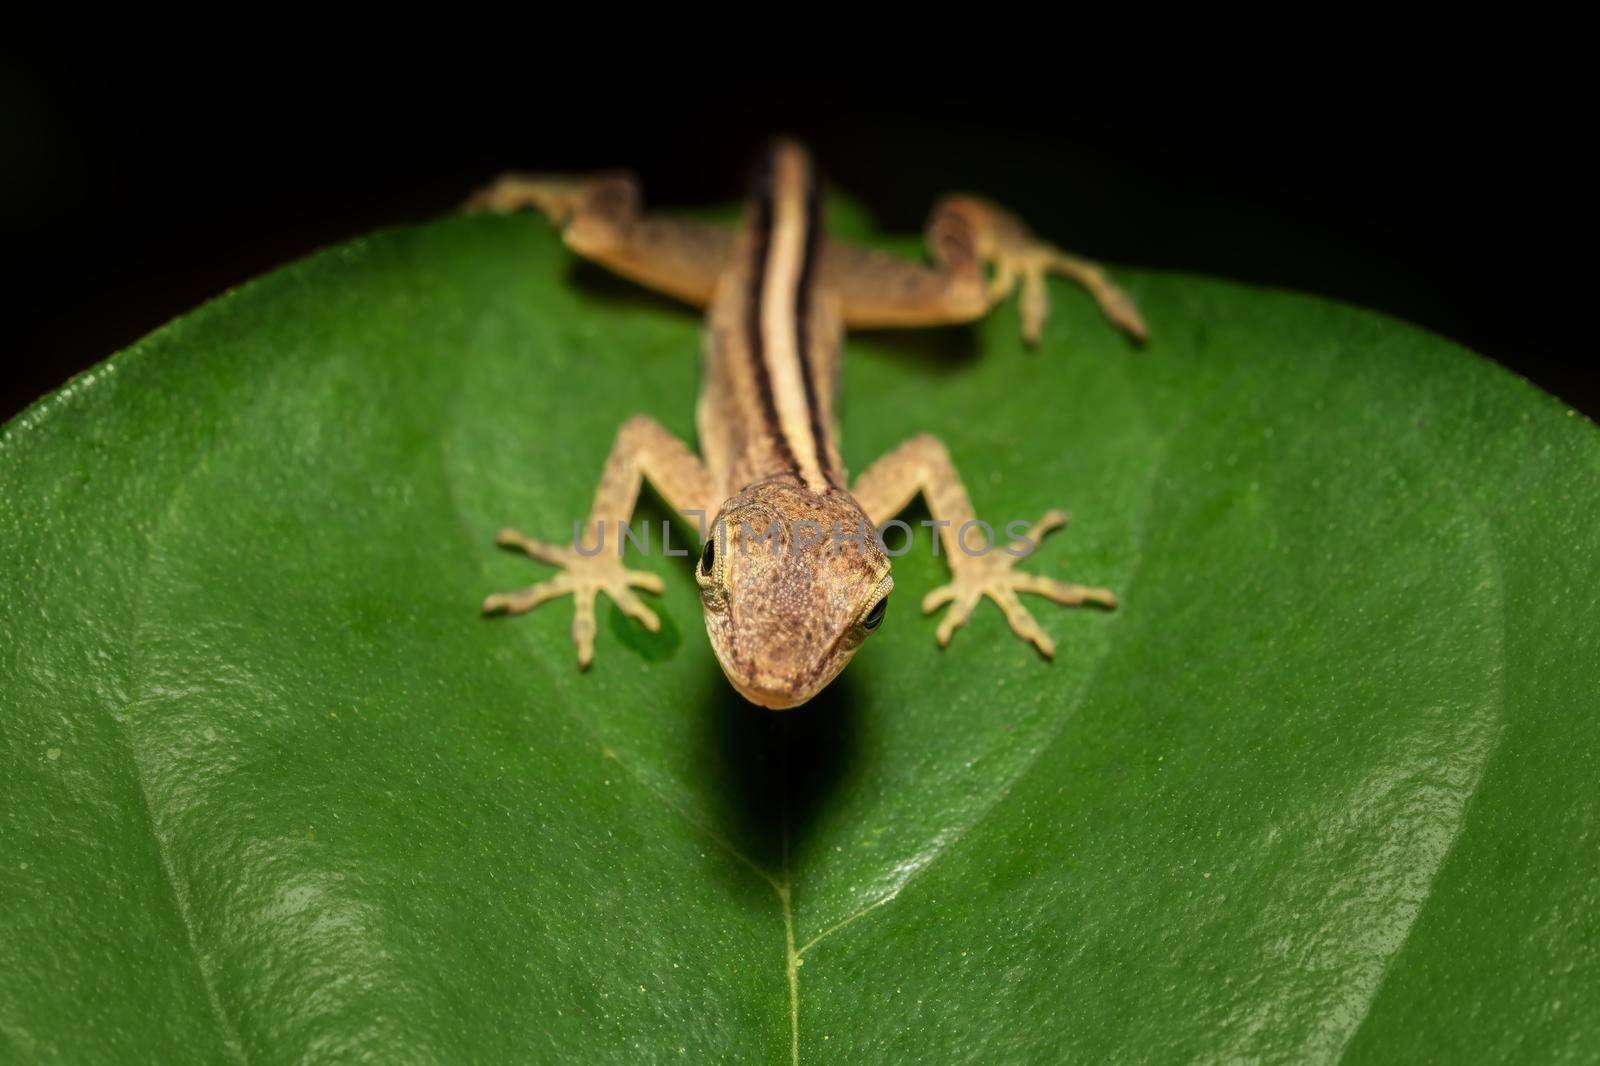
column 779, row 696
column 771, row 699
column 774, row 697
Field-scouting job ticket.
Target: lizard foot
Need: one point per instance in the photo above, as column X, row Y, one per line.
column 557, row 197
column 994, row 575
column 584, row 576
column 1025, row 260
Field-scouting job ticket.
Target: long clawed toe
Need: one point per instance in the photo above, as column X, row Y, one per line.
column 527, row 599
column 1027, row 263
column 556, row 196
column 584, row 577
column 996, row 577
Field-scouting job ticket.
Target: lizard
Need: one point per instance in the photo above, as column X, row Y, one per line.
column 786, row 605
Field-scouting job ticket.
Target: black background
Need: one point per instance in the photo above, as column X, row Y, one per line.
column 1442, row 190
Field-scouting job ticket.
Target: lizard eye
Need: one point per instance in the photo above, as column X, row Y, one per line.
column 874, row 617
column 708, row 556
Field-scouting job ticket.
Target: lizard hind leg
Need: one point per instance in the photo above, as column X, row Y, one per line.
column 601, row 217
column 1018, row 258
column 595, row 212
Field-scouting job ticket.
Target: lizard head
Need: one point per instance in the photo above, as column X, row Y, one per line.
column 787, row 599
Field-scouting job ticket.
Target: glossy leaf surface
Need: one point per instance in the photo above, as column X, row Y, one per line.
column 1325, row 785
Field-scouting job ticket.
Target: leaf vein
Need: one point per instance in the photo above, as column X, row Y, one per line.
column 136, row 669
column 1498, row 569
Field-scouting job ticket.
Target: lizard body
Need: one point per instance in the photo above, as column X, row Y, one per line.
column 792, row 578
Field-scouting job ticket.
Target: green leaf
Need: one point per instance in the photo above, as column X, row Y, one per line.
column 1324, row 786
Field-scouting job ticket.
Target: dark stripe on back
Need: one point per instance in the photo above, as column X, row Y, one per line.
column 755, row 344
column 802, row 319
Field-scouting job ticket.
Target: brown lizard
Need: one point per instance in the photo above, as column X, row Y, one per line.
column 792, row 575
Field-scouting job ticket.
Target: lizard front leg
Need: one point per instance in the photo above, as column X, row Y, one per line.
column 922, row 465
column 644, row 450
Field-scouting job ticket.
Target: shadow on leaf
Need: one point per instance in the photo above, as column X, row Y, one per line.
column 595, row 282
column 783, row 766
column 925, row 351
